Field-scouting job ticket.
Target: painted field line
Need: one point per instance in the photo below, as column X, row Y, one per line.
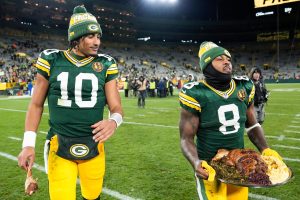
column 15, row 97
column 6, row 109
column 292, row 126
column 295, row 122
column 280, row 137
column 286, row 147
column 149, row 108
column 284, row 114
column 135, row 123
column 22, row 111
column 261, row 197
column 145, row 124
column 107, row 191
column 44, row 132
column 15, row 138
column 291, row 159
column 290, row 131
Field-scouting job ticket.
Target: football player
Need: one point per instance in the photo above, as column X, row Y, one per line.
column 217, row 110
column 78, row 83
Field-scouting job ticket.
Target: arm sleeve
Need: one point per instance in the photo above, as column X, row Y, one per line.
column 250, row 89
column 188, row 101
column 45, row 61
column 112, row 71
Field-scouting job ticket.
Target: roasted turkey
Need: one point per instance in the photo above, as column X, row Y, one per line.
column 241, row 165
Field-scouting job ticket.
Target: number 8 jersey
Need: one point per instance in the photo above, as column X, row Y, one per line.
column 222, row 115
column 76, row 96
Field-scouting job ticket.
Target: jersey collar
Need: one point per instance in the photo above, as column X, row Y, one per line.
column 75, row 61
column 225, row 94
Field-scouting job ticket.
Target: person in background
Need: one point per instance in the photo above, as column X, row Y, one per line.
column 29, row 87
column 191, row 78
column 141, row 91
column 126, row 86
column 217, row 111
column 78, row 83
column 261, row 94
column 152, row 87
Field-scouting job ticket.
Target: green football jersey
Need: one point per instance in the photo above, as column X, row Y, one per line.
column 76, row 95
column 222, row 115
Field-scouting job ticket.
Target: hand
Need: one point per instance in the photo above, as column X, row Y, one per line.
column 270, row 152
column 26, row 158
column 205, row 171
column 103, row 130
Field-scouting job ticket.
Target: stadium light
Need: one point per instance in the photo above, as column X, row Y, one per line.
column 162, row 1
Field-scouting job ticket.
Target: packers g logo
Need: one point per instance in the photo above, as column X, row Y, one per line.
column 93, row 27
column 79, row 150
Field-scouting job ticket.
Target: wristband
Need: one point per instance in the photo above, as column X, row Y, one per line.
column 117, row 117
column 29, row 139
column 252, row 127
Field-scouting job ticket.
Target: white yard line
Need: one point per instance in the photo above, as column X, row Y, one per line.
column 286, row 147
column 15, row 97
column 22, row 111
column 290, row 131
column 295, row 122
column 15, row 138
column 291, row 126
column 291, row 159
column 261, row 197
column 107, row 191
column 284, row 114
column 281, row 137
column 6, row 109
column 157, row 125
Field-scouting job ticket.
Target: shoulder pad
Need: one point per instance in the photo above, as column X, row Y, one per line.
column 241, row 78
column 109, row 58
column 49, row 54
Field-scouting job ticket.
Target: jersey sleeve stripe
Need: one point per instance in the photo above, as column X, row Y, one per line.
column 112, row 72
column 43, row 65
column 112, row 66
column 252, row 93
column 43, row 61
column 42, row 68
column 190, row 104
column 188, row 98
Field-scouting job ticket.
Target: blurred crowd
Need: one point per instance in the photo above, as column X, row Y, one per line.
column 166, row 65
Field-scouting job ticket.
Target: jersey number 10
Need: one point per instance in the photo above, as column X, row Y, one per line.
column 64, row 101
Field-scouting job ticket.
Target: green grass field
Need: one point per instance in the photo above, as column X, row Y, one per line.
column 144, row 160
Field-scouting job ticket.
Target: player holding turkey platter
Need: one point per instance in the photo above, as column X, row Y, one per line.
column 78, row 83
column 217, row 110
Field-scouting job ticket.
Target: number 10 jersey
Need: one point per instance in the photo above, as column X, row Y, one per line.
column 76, row 93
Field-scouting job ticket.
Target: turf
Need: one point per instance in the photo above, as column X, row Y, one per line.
column 144, row 160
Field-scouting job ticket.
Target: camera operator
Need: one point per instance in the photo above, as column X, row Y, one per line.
column 261, row 94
